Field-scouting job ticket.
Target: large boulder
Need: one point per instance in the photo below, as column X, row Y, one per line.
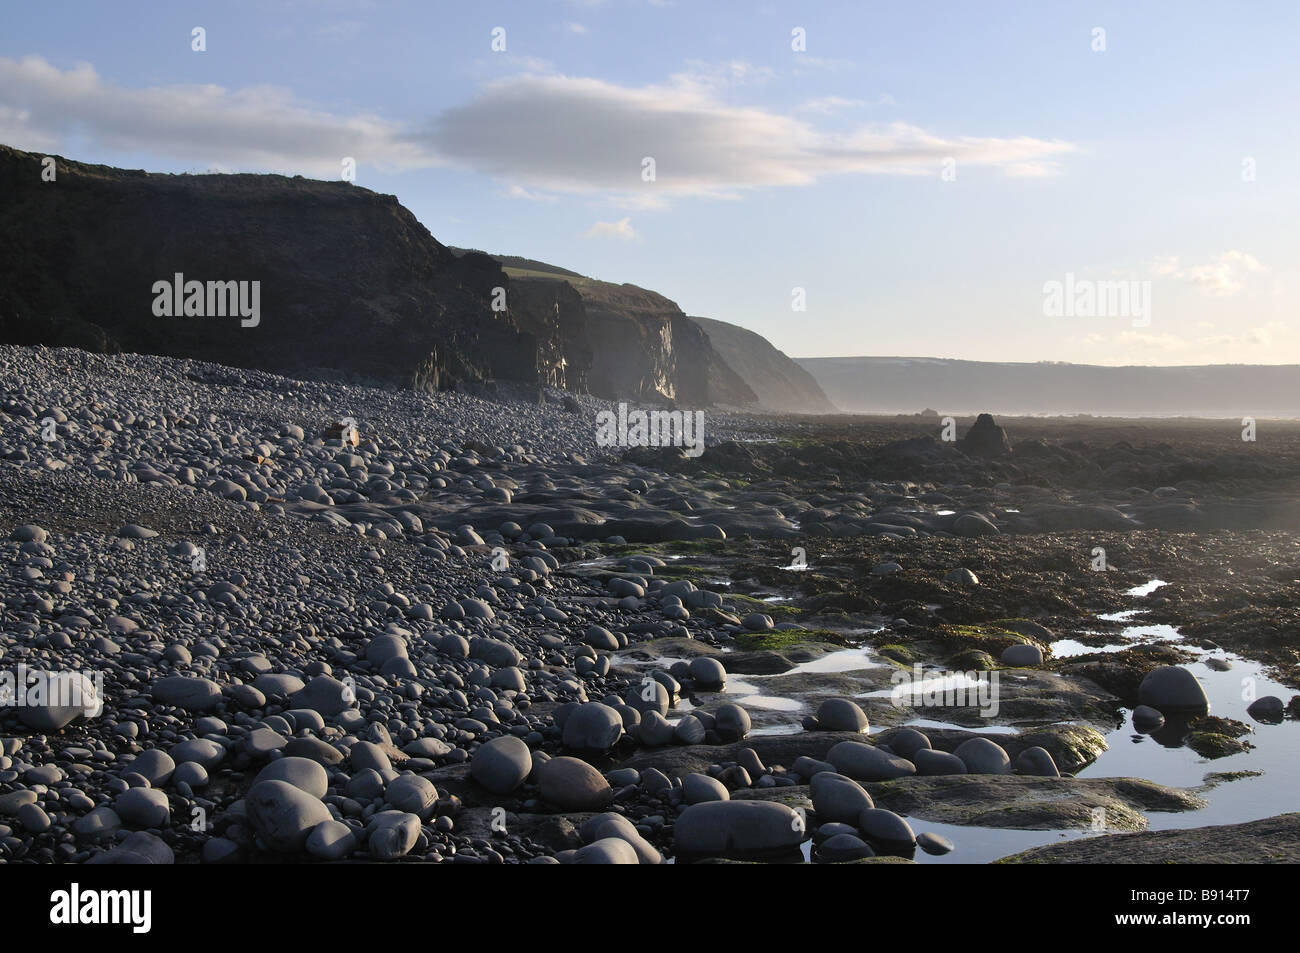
column 191, row 694
column 737, row 828
column 837, row 798
column 841, row 714
column 864, row 762
column 1172, row 688
column 593, row 728
column 502, row 764
column 573, row 785
column 985, row 439
column 283, row 815
column 982, row 756
column 302, row 773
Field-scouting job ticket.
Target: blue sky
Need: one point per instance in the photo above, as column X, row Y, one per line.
column 1171, row 156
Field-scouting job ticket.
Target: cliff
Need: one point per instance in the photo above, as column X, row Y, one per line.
column 349, row 280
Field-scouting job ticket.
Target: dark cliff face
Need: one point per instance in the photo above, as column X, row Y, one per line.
column 638, row 344
column 349, row 279
column 553, row 315
column 644, row 348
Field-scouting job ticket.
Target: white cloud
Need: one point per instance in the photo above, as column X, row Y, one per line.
column 519, row 192
column 570, row 134
column 537, row 132
column 254, row 128
column 831, row 104
column 1221, row 277
column 621, row 229
column 576, row 28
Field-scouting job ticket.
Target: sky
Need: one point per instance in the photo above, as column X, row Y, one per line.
column 1108, row 183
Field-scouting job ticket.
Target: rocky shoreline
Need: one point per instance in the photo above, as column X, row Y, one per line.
column 336, row 623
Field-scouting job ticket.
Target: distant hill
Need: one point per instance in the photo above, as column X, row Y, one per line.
column 780, row 383
column 910, row 384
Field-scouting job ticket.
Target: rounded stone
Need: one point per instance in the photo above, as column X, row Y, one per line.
column 283, row 815
column 906, row 742
column 933, row 763
column 732, row 723
column 607, row 850
column 698, row 788
column 593, row 727
column 841, row 714
column 982, row 756
column 412, row 794
column 837, row 798
column 649, row 695
column 689, row 730
column 392, row 834
column 723, row 828
column 654, row 730
column 935, row 844
column 142, row 807
column 191, row 694
column 707, row 673
column 155, row 765
column 1022, row 654
column 1172, row 688
column 1037, row 762
column 331, row 840
column 303, row 773
column 573, row 785
column 600, row 638
column 502, row 764
column 1269, row 708
column 1146, row 718
column 885, row 828
column 864, row 762
column 840, row 848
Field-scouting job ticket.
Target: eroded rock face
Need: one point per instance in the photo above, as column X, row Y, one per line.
column 349, row 279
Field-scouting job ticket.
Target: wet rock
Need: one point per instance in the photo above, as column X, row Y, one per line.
column 982, row 756
column 864, row 762
column 1022, row 655
column 730, row 828
column 1172, row 688
column 838, row 798
column 932, row 763
column 933, row 843
column 841, row 714
column 1268, row 709
column 1037, row 762
column 885, row 828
